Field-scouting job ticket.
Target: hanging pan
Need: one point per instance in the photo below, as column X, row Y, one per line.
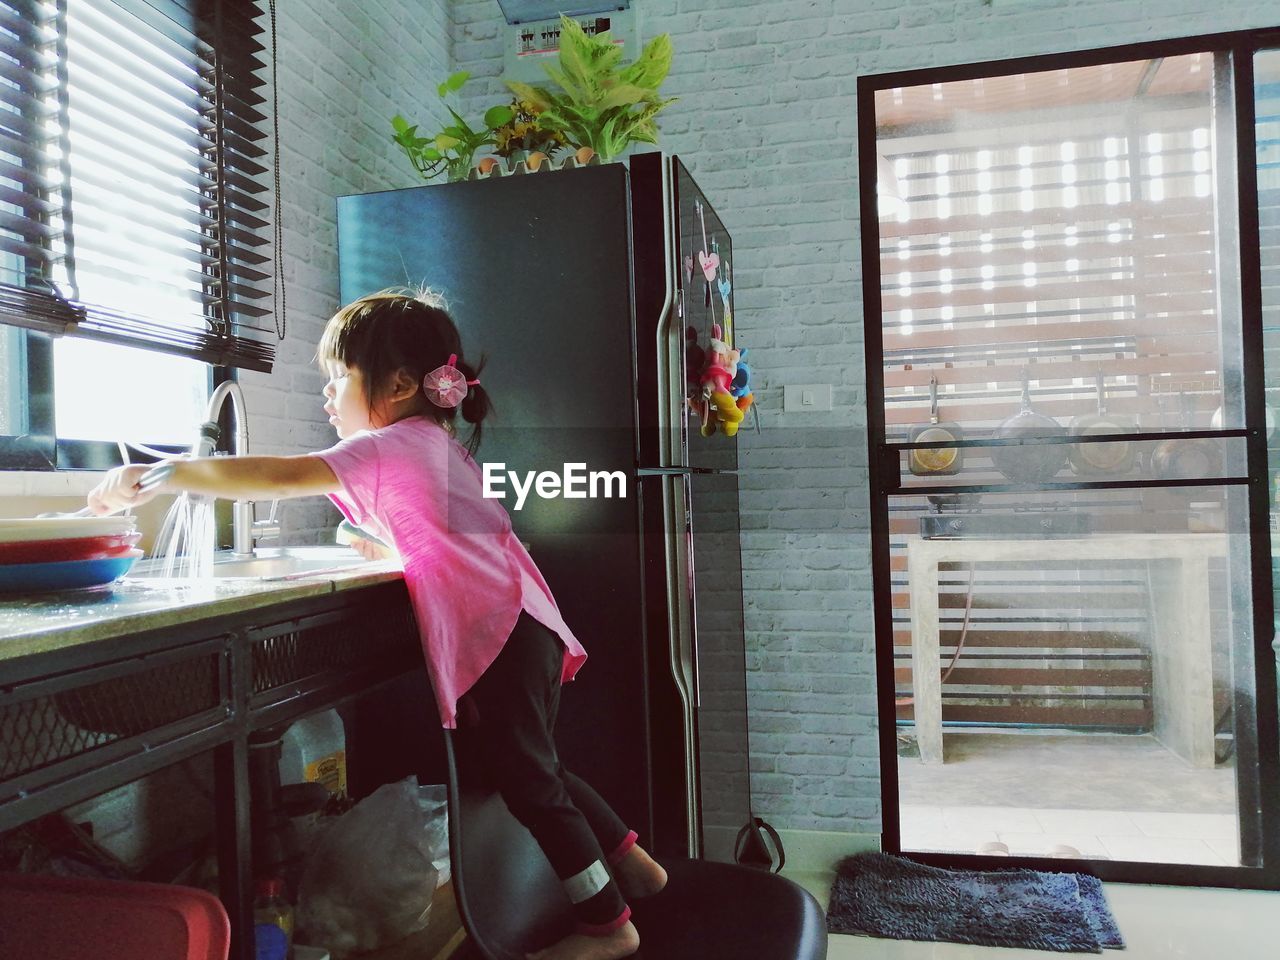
column 1101, row 459
column 1186, row 459
column 1034, row 462
column 935, row 461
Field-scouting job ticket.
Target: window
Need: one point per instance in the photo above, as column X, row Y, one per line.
column 133, row 252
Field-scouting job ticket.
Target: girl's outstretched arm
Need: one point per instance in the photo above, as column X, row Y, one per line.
column 233, row 478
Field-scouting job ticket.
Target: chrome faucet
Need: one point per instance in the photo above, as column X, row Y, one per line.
column 245, row 530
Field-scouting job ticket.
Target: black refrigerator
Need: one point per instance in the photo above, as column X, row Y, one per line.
column 582, row 289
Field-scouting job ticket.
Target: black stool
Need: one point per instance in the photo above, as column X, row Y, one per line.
column 511, row 901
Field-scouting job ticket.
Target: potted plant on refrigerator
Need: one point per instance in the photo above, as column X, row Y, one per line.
column 600, row 106
column 452, row 150
column 522, row 139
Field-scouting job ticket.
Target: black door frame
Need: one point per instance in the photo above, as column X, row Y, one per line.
column 1239, row 48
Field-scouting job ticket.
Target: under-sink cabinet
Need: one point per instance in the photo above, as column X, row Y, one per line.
column 78, row 719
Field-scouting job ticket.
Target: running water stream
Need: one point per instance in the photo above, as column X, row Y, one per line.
column 187, row 538
column 188, row 535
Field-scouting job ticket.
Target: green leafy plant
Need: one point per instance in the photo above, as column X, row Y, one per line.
column 452, row 150
column 599, row 105
column 523, row 133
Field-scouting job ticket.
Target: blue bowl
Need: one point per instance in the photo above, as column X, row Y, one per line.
column 63, row 574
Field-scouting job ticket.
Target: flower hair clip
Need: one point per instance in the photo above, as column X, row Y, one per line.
column 446, row 386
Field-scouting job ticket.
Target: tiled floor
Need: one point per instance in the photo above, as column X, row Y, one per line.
column 1157, row 923
column 1203, row 838
column 1060, row 770
column 1111, row 796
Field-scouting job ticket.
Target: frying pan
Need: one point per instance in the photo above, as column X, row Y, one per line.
column 1101, row 459
column 1033, row 463
column 935, row 461
column 1186, row 459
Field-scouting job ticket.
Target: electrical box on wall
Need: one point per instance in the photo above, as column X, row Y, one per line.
column 532, row 35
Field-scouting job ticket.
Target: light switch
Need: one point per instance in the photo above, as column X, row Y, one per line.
column 806, row 397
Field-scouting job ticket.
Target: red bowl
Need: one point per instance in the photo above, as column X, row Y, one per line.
column 80, row 548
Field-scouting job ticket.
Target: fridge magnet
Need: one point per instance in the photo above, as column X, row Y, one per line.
column 713, row 401
column 694, row 356
column 741, row 390
column 710, row 263
column 741, row 385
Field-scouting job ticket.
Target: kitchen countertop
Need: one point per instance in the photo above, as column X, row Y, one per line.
column 49, row 622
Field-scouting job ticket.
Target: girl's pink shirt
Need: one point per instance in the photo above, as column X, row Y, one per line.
column 468, row 575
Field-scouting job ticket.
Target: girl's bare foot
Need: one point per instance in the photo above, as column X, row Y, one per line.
column 638, row 874
column 623, row 942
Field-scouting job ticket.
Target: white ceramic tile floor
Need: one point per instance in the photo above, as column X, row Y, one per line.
column 1202, row 826
column 1157, row 923
column 1161, row 850
column 1112, row 822
column 1040, row 844
column 1204, row 838
column 982, row 819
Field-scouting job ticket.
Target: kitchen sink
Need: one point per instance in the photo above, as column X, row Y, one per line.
column 270, row 563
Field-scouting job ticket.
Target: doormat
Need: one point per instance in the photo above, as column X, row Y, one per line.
column 887, row 896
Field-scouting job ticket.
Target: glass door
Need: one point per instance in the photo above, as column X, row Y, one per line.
column 1056, row 364
column 1266, row 73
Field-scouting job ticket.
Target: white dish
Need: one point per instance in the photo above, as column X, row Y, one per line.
column 63, row 528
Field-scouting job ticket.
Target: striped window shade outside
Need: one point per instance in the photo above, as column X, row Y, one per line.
column 133, row 183
column 1055, row 225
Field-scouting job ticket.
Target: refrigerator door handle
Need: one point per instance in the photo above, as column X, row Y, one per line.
column 670, row 369
column 679, row 603
column 682, row 651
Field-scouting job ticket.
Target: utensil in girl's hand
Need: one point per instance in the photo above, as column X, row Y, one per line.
column 152, row 478
column 155, row 476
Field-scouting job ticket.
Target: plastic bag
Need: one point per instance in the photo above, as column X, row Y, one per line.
column 370, row 881
column 434, row 800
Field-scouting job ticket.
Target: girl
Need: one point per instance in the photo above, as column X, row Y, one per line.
column 491, row 631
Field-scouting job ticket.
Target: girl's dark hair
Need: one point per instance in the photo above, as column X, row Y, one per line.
column 410, row 330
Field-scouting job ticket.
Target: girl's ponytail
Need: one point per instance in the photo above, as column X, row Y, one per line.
column 476, row 405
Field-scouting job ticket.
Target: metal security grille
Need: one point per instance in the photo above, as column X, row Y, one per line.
column 47, row 727
column 334, row 647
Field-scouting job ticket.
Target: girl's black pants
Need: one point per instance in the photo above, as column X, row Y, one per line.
column 504, row 736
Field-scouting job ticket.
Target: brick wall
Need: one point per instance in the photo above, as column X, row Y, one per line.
column 767, row 124
column 345, row 70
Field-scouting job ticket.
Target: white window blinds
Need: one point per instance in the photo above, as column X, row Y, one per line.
column 132, row 178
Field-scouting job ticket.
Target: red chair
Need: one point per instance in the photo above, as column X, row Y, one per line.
column 75, row 918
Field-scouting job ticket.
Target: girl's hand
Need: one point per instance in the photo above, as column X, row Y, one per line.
column 370, row 550
column 119, row 490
